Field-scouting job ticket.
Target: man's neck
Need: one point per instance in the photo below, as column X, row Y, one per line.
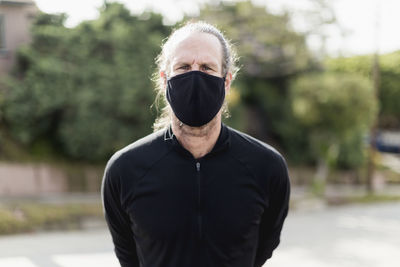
column 197, row 140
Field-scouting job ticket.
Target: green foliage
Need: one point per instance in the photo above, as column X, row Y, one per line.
column 337, row 111
column 270, row 53
column 351, row 151
column 41, row 215
column 86, row 90
column 389, row 81
column 23, row 217
column 267, row 45
column 333, row 102
column 9, row 223
column 365, row 199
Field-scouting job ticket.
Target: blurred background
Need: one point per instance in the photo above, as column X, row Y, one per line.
column 318, row 79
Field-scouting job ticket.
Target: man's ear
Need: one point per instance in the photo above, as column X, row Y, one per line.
column 228, row 81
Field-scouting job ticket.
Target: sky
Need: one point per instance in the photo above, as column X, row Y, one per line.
column 366, row 26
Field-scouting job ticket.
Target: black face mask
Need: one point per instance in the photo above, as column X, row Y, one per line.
column 195, row 97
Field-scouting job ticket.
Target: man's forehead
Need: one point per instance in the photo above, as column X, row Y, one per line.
column 205, row 46
column 186, row 56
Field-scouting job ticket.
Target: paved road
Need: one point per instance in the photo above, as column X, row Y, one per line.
column 352, row 236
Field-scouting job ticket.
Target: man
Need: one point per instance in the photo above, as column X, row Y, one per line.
column 195, row 192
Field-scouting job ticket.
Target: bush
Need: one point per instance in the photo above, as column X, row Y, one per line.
column 86, row 91
column 24, row 217
column 336, row 110
column 389, row 82
column 10, row 223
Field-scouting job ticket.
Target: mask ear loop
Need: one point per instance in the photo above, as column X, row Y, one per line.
column 166, row 79
column 168, row 135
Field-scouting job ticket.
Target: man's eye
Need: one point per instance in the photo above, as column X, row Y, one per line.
column 206, row 68
column 186, row 67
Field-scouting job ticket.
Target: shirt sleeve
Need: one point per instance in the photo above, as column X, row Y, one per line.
column 117, row 219
column 274, row 216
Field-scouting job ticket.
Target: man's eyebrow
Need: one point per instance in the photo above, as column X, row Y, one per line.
column 212, row 64
column 181, row 63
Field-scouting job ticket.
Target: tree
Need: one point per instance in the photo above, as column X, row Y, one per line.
column 270, row 53
column 337, row 110
column 86, row 90
column 389, row 82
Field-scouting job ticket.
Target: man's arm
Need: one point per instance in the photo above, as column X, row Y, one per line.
column 117, row 219
column 273, row 217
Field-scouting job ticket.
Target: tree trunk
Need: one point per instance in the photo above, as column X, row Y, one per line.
column 321, row 177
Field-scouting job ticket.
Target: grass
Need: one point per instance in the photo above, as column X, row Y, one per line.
column 364, row 199
column 372, row 198
column 28, row 217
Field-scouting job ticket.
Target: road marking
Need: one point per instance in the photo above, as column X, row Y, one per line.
column 16, row 262
column 94, row 259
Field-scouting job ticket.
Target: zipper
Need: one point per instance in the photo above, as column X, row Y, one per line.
column 199, row 218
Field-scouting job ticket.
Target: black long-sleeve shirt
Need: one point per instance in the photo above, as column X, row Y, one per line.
column 164, row 208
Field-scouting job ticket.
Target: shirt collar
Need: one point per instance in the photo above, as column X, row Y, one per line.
column 223, row 141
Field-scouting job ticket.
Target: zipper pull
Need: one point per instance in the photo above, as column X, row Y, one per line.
column 198, row 166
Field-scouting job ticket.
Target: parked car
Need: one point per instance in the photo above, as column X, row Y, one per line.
column 388, row 141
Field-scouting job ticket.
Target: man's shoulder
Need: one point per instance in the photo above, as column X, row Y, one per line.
column 261, row 159
column 251, row 146
column 140, row 153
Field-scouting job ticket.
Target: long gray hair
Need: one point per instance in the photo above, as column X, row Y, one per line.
column 229, row 61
